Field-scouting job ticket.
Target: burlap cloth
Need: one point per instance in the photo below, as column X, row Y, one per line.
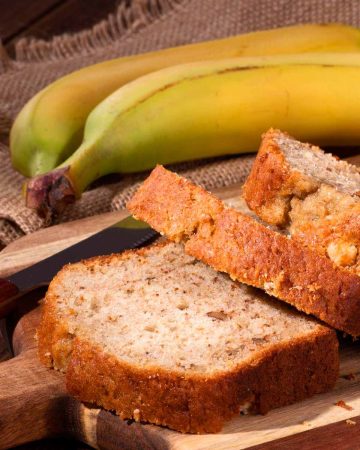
column 136, row 26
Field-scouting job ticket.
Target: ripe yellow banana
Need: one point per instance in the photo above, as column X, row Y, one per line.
column 206, row 109
column 50, row 126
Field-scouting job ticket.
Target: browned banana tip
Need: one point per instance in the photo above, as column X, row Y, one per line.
column 50, row 193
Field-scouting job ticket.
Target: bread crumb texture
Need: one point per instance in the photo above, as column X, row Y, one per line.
column 309, row 193
column 157, row 336
column 234, row 242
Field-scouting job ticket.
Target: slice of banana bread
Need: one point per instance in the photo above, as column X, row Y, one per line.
column 158, row 336
column 233, row 242
column 311, row 194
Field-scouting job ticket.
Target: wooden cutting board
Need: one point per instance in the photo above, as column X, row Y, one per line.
column 35, row 405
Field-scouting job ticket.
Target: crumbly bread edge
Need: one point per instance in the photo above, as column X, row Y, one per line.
column 193, row 402
column 272, row 182
column 237, row 244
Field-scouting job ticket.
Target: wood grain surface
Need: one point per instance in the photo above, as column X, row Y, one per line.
column 313, row 423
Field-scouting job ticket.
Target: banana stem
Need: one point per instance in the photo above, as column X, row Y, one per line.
column 50, row 193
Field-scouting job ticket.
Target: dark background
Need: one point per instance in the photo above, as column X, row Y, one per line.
column 44, row 19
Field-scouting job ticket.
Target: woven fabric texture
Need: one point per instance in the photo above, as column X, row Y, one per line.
column 140, row 26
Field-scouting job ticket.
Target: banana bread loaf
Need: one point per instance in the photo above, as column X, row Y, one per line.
column 157, row 336
column 309, row 193
column 236, row 243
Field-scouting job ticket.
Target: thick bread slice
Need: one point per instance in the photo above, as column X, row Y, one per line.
column 312, row 194
column 236, row 243
column 158, row 336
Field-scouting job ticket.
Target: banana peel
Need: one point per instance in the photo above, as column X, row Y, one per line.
column 207, row 109
column 50, row 127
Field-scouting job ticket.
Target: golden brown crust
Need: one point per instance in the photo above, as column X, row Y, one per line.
column 194, row 403
column 315, row 213
column 186, row 401
column 271, row 183
column 232, row 242
column 53, row 336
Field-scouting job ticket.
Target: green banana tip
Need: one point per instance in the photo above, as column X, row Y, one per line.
column 50, row 193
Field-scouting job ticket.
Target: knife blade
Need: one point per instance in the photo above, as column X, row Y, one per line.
column 124, row 235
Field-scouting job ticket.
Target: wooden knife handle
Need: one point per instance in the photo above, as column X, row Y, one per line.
column 30, row 398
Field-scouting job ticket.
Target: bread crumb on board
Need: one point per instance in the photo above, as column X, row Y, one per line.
column 306, row 423
column 344, row 405
column 350, row 422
